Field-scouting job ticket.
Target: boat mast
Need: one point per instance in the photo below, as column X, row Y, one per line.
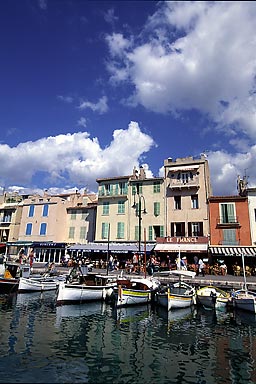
column 245, row 283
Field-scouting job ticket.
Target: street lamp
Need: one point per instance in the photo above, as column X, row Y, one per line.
column 139, row 211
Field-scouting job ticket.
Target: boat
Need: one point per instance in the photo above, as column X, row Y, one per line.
column 244, row 299
column 83, row 286
column 212, row 297
column 134, row 290
column 176, row 296
column 9, row 281
column 37, row 284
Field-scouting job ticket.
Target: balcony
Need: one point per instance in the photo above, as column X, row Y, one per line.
column 227, row 222
column 184, row 184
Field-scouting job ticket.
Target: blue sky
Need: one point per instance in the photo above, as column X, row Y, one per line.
column 90, row 89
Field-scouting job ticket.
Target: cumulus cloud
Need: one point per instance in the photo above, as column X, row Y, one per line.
column 197, row 56
column 73, row 159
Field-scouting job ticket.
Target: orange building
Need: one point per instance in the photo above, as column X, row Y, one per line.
column 230, row 234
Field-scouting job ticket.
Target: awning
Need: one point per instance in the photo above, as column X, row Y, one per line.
column 233, row 251
column 181, row 247
column 185, row 168
column 113, row 247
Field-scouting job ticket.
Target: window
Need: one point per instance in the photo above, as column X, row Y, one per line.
column 71, row 234
column 82, row 233
column 229, row 237
column 123, row 188
column 121, row 207
column 156, row 208
column 194, row 201
column 73, row 214
column 106, row 208
column 43, row 227
column 177, row 202
column 195, row 229
column 178, row 229
column 136, row 188
column 31, row 211
column 45, row 210
column 227, row 214
column 136, row 235
column 156, row 187
column 104, row 230
column 109, row 189
column 120, row 230
column 28, row 229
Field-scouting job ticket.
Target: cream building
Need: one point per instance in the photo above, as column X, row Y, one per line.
column 187, row 186
column 251, row 195
column 130, row 209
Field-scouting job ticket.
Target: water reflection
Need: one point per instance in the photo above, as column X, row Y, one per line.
column 97, row 343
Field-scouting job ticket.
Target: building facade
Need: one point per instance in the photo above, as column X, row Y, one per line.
column 187, row 188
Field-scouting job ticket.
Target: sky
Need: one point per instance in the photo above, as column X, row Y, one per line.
column 92, row 89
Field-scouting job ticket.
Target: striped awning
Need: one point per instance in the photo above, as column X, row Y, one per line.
column 233, row 251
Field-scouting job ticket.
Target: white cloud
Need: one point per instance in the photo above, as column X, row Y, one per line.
column 110, row 17
column 82, row 122
column 225, row 168
column 66, row 99
column 101, row 106
column 209, row 67
column 73, row 159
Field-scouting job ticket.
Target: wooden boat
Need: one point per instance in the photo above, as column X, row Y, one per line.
column 212, row 297
column 37, row 284
column 134, row 291
column 244, row 299
column 82, row 286
column 176, row 296
column 9, row 282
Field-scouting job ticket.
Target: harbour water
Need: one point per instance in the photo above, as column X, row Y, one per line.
column 94, row 343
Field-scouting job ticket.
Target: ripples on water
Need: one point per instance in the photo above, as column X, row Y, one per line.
column 94, row 343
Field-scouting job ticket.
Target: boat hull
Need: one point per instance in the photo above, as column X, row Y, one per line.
column 36, row 285
column 245, row 301
column 127, row 297
column 174, row 301
column 212, row 297
column 8, row 285
column 79, row 293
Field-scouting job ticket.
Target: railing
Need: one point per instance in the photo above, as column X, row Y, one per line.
column 227, row 221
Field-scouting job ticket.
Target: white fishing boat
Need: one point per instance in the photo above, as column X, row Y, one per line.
column 212, row 297
column 244, row 299
column 37, row 284
column 134, row 291
column 177, row 295
column 82, row 286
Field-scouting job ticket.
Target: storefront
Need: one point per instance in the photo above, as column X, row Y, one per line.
column 97, row 252
column 232, row 256
column 168, row 249
column 48, row 252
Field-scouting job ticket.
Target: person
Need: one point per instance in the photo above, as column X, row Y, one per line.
column 183, row 263
column 110, row 263
column 201, row 267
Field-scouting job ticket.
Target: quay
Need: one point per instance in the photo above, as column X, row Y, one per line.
column 227, row 282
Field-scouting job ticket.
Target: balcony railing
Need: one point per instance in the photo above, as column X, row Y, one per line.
column 227, row 222
column 180, row 183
